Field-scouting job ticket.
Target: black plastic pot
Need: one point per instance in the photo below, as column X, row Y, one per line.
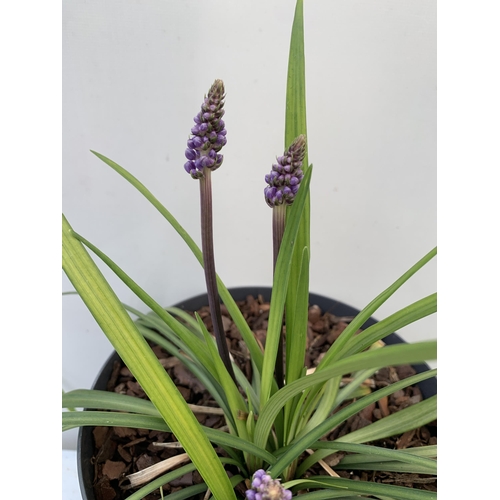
column 85, row 445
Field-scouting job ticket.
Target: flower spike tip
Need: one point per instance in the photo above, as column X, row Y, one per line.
column 208, row 134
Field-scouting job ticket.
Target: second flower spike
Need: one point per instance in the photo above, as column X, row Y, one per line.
column 208, row 134
column 284, row 179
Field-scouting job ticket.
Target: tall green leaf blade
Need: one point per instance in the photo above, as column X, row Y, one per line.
column 188, row 492
column 329, row 494
column 415, row 416
column 195, row 344
column 97, row 418
column 295, row 125
column 404, row 420
column 73, row 419
column 387, row 356
column 199, row 372
column 363, row 487
column 161, row 481
column 232, row 307
column 337, row 347
column 280, row 282
column 235, row 399
column 105, row 400
column 296, row 343
column 295, row 116
column 142, row 362
column 409, row 314
column 366, row 453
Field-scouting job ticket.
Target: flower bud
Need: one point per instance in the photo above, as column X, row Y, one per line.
column 208, row 135
column 284, row 179
column 266, row 488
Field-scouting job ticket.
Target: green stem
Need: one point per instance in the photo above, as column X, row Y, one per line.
column 207, row 245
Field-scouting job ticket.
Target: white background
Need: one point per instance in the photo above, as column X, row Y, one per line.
column 134, row 75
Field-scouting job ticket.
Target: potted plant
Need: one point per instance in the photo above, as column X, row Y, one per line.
column 280, row 413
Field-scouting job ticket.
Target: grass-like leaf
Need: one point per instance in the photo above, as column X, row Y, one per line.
column 199, row 371
column 338, row 346
column 187, row 318
column 293, row 451
column 296, row 343
column 367, row 461
column 236, row 402
column 73, row 419
column 280, row 282
column 295, row 125
column 195, row 344
column 409, row 314
column 362, row 487
column 366, row 453
column 105, row 400
column 327, row 494
column 166, row 478
column 387, row 356
column 404, row 420
column 226, row 297
column 109, row 313
column 157, row 483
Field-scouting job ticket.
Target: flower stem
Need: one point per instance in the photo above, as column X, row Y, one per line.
column 207, row 245
column 279, row 215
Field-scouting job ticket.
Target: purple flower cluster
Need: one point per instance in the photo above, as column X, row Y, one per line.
column 208, row 135
column 266, row 488
column 285, row 176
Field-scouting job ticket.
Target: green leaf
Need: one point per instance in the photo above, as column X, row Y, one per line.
column 429, row 451
column 409, row 314
column 387, row 356
column 338, row 346
column 296, row 342
column 293, row 451
column 235, row 399
column 105, row 400
column 350, row 389
column 366, row 453
column 295, row 117
column 226, row 297
column 362, row 487
column 199, row 371
column 296, row 309
column 296, row 345
column 71, row 420
column 280, row 282
column 195, row 344
column 327, row 494
column 404, row 420
column 367, row 461
column 186, row 317
column 162, row 480
column 141, row 361
column 170, row 476
column 75, row 419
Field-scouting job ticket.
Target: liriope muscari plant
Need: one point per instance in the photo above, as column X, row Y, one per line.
column 276, row 421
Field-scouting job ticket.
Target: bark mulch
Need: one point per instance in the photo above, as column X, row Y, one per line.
column 121, row 451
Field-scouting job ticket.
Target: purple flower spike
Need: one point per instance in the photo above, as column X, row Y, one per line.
column 264, row 487
column 208, row 135
column 284, row 179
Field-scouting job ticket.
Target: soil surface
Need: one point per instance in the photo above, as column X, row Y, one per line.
column 120, row 451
